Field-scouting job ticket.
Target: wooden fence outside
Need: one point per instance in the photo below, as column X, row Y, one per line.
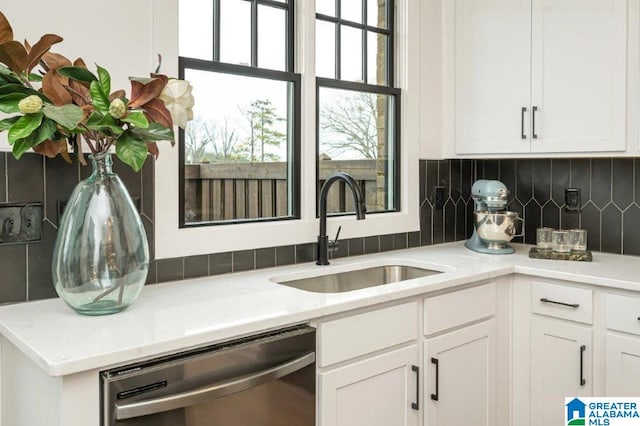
column 236, row 191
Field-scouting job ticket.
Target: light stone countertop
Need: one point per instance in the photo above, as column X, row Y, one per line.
column 175, row 316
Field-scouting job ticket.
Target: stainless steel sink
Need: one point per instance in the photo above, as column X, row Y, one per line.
column 358, row 279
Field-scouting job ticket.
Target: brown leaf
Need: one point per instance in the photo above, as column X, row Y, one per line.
column 117, row 94
column 27, row 46
column 53, row 61
column 79, row 62
column 79, row 92
column 51, row 148
column 6, row 33
column 143, row 93
column 53, row 86
column 152, row 147
column 158, row 113
column 40, row 48
column 14, row 56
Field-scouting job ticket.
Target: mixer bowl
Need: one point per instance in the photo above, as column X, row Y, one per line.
column 496, row 229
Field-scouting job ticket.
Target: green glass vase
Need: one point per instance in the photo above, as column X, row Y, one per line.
column 101, row 255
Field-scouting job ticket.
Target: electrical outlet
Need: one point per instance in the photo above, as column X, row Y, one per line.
column 572, row 201
column 441, row 196
column 21, row 223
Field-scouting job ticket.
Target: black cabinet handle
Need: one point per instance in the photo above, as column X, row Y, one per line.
column 571, row 305
column 416, row 405
column 434, row 396
column 522, row 135
column 582, row 380
column 533, row 122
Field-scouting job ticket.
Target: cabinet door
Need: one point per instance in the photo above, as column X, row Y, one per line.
column 579, row 74
column 492, row 74
column 377, row 391
column 460, row 372
column 622, row 365
column 557, row 356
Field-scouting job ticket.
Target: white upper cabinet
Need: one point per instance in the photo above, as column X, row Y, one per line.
column 535, row 76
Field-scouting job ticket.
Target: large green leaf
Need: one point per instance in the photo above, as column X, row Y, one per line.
column 155, row 132
column 41, row 134
column 100, row 98
column 103, row 123
column 68, row 116
column 8, row 75
column 104, row 79
column 131, row 150
column 137, row 118
column 7, row 89
column 8, row 122
column 9, row 103
column 78, row 73
column 35, row 77
column 24, row 126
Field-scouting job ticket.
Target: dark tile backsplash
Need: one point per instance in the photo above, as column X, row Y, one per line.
column 610, row 211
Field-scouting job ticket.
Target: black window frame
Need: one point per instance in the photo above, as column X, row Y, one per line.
column 388, row 89
column 288, row 76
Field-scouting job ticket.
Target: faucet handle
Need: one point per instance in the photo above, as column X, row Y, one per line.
column 333, row 244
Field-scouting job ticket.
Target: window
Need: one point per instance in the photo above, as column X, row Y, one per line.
column 357, row 105
column 239, row 157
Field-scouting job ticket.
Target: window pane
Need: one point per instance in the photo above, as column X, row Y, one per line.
column 377, row 58
column 238, row 148
column 351, row 54
column 326, row 7
column 377, row 13
column 325, row 49
column 272, row 43
column 196, row 29
column 235, row 31
column 351, row 10
column 357, row 137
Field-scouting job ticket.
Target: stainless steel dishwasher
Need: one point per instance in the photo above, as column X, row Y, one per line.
column 265, row 380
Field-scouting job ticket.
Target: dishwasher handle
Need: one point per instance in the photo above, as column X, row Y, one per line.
column 212, row 391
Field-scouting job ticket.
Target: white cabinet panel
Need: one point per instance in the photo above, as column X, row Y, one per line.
column 622, row 366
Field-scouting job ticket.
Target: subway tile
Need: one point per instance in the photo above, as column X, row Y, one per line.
column 560, row 179
column 13, row 264
column 569, row 220
column 437, row 226
column 532, row 221
column 356, row 246
column 422, row 178
column 491, row 169
column 466, row 178
column 220, row 263
column 341, row 250
column 244, row 260
column 517, row 207
column 148, row 188
column 413, row 239
column 196, row 266
column 3, row 177
column 431, row 180
column 131, row 179
column 611, row 230
column 551, row 215
column 444, row 174
column 61, row 179
column 542, row 180
column 426, row 225
column 636, row 180
column 39, row 265
column 622, row 193
column 25, row 178
column 478, row 172
column 631, row 230
column 148, row 229
column 386, row 242
column 470, row 208
column 170, row 269
column 371, row 244
column 455, row 180
column 285, row 255
column 601, row 181
column 305, row 252
column 152, row 275
column 265, row 258
column 591, row 222
column 449, row 221
column 461, row 218
column 400, row 241
column 508, row 175
column 524, row 180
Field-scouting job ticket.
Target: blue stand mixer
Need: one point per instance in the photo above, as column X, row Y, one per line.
column 493, row 226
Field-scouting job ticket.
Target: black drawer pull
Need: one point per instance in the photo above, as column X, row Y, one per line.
column 582, row 380
column 522, row 135
column 434, row 396
column 533, row 122
column 416, row 405
column 571, row 305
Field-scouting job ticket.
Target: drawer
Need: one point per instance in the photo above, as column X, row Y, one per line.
column 561, row 301
column 361, row 334
column 623, row 313
column 459, row 307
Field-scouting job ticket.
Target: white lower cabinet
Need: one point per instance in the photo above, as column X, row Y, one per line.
column 377, row 391
column 622, row 365
column 460, row 372
column 561, row 366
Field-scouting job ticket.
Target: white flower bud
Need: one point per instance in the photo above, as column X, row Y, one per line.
column 30, row 104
